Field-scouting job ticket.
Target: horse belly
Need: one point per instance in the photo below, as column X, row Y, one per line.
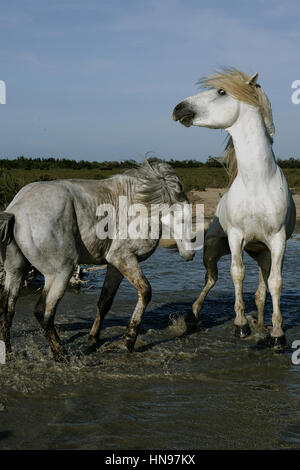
column 91, row 249
column 256, row 246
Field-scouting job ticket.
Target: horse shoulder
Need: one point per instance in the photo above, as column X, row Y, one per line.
column 221, row 215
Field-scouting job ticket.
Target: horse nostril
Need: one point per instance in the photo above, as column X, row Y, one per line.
column 177, row 112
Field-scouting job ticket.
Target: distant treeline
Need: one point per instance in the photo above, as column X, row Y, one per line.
column 47, row 163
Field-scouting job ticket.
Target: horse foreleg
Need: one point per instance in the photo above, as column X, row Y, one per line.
column 237, row 271
column 277, row 247
column 111, row 284
column 129, row 267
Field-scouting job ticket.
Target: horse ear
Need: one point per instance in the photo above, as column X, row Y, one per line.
column 147, row 163
column 252, row 81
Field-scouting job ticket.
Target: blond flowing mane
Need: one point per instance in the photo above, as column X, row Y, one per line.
column 236, row 83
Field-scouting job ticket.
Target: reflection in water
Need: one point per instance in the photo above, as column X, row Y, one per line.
column 205, row 390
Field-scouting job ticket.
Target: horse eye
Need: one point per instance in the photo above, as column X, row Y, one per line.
column 221, row 92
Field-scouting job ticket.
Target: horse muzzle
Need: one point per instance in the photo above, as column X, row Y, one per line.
column 187, row 255
column 184, row 113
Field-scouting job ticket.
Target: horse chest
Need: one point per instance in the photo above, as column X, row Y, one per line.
column 253, row 213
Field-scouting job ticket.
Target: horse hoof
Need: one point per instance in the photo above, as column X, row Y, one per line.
column 277, row 342
column 242, row 331
column 90, row 349
column 129, row 343
column 61, row 355
column 92, row 340
column 191, row 322
column 61, row 358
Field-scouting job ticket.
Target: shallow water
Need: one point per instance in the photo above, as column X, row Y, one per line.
column 205, row 390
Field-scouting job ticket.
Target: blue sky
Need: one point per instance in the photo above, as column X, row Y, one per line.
column 98, row 79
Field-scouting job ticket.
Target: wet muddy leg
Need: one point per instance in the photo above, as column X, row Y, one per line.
column 111, row 284
column 214, row 248
column 237, row 271
column 46, row 308
column 129, row 268
column 15, row 267
column 277, row 337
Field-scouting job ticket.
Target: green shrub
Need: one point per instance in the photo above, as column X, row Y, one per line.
column 9, row 187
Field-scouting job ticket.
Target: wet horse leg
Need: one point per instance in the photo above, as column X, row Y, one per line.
column 214, row 249
column 277, row 246
column 264, row 264
column 54, row 289
column 129, row 267
column 15, row 267
column 237, row 272
column 111, row 284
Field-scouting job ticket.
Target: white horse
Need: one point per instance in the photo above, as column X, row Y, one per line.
column 54, row 225
column 257, row 214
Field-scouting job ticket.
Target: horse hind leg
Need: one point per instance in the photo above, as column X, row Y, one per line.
column 260, row 299
column 264, row 264
column 263, row 260
column 211, row 278
column 54, row 289
column 214, row 249
column 15, row 265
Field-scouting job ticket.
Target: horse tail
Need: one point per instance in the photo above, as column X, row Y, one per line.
column 7, row 222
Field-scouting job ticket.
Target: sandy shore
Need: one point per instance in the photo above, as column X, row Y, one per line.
column 211, row 196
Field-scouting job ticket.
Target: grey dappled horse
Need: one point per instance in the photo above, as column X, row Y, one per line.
column 53, row 226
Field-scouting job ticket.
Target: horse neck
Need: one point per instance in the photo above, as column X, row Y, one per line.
column 253, row 148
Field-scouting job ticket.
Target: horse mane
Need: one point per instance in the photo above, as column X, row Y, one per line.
column 154, row 181
column 234, row 82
